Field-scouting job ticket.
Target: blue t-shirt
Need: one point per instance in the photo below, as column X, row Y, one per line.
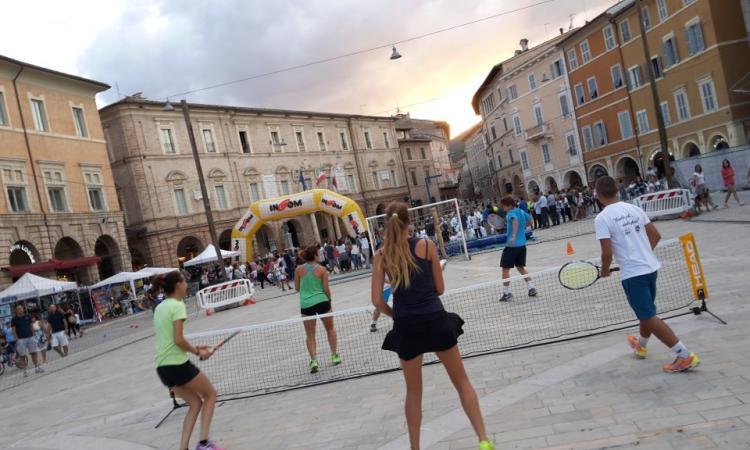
column 522, row 217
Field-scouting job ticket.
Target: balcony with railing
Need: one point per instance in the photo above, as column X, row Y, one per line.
column 538, row 132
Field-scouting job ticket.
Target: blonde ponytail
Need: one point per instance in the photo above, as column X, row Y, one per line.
column 398, row 261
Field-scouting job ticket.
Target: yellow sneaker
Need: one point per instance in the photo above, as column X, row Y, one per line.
column 683, row 364
column 486, row 445
column 640, row 351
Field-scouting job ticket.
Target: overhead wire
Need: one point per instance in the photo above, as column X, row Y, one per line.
column 358, row 52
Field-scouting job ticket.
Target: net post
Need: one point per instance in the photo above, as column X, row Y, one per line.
column 461, row 227
column 697, row 310
column 175, row 406
column 438, row 232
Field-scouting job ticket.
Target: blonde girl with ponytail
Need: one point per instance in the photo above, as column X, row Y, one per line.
column 420, row 323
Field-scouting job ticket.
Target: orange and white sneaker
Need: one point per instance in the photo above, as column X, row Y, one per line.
column 683, row 364
column 640, row 351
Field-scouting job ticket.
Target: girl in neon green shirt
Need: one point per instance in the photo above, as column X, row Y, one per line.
column 172, row 364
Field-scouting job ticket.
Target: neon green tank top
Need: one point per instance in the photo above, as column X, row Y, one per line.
column 311, row 289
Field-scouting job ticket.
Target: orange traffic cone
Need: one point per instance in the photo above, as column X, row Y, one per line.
column 249, row 301
column 569, row 251
column 209, row 311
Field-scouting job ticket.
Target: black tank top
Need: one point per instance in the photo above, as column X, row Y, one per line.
column 420, row 297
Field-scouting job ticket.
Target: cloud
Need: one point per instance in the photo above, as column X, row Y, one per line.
column 162, row 47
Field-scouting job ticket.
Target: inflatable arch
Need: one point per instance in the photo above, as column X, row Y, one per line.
column 293, row 205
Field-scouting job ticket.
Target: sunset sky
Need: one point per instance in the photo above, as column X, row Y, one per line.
column 164, row 47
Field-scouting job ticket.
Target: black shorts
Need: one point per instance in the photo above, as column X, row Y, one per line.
column 179, row 375
column 318, row 308
column 513, row 257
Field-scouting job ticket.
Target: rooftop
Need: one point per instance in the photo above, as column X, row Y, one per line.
column 25, row 65
column 138, row 100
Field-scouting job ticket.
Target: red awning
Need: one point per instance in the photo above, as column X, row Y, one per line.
column 52, row 264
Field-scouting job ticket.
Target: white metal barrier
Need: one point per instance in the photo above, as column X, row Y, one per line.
column 235, row 292
column 665, row 203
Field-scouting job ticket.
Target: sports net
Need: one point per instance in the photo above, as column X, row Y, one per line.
column 440, row 221
column 272, row 357
column 460, row 232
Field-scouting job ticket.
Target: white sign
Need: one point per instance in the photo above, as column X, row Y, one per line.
column 24, row 249
column 269, row 185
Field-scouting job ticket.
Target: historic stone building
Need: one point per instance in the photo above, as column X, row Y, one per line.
column 425, row 153
column 247, row 154
column 528, row 121
column 59, row 215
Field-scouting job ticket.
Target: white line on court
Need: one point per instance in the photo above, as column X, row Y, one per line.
column 442, row 427
column 73, row 442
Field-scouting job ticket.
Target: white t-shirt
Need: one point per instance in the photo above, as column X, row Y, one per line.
column 700, row 179
column 543, row 201
column 364, row 243
column 625, row 225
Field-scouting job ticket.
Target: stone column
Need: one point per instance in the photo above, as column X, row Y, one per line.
column 316, row 233
column 336, row 226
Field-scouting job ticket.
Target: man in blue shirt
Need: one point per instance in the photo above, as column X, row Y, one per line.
column 514, row 253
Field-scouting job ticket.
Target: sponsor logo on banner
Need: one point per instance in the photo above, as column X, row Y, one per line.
column 695, row 269
column 330, row 203
column 354, row 223
column 239, row 245
column 247, row 222
column 272, row 208
column 285, row 204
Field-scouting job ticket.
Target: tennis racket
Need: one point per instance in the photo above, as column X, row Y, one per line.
column 580, row 274
column 495, row 220
column 221, row 344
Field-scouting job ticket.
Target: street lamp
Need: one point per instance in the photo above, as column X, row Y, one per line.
column 204, row 191
column 395, row 54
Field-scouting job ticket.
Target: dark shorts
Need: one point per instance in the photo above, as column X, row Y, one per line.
column 179, row 375
column 641, row 293
column 318, row 308
column 412, row 336
column 513, row 257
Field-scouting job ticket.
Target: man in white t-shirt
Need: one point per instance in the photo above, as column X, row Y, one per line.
column 625, row 232
column 364, row 245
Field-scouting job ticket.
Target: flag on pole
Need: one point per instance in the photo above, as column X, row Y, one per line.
column 302, row 180
column 321, row 178
column 334, row 183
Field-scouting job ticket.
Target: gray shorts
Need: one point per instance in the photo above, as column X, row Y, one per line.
column 26, row 346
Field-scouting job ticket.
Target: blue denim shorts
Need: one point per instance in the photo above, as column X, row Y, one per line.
column 641, row 293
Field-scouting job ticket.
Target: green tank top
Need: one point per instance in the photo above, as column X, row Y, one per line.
column 311, row 289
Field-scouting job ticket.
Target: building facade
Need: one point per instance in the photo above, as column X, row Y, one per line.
column 526, row 109
column 247, row 154
column 59, row 213
column 699, row 57
column 599, row 81
column 425, row 155
column 698, row 53
column 460, row 147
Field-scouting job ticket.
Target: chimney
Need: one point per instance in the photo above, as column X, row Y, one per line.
column 562, row 31
column 524, row 44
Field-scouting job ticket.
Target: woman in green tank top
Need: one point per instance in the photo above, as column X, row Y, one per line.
column 311, row 281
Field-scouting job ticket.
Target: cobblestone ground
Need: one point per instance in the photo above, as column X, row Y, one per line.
column 586, row 394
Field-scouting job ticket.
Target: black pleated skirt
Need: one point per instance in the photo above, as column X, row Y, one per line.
column 412, row 336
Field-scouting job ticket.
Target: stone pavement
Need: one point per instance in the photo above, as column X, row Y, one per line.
column 585, row 394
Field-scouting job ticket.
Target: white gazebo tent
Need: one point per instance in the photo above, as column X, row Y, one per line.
column 34, row 286
column 153, row 271
column 209, row 255
column 130, row 277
